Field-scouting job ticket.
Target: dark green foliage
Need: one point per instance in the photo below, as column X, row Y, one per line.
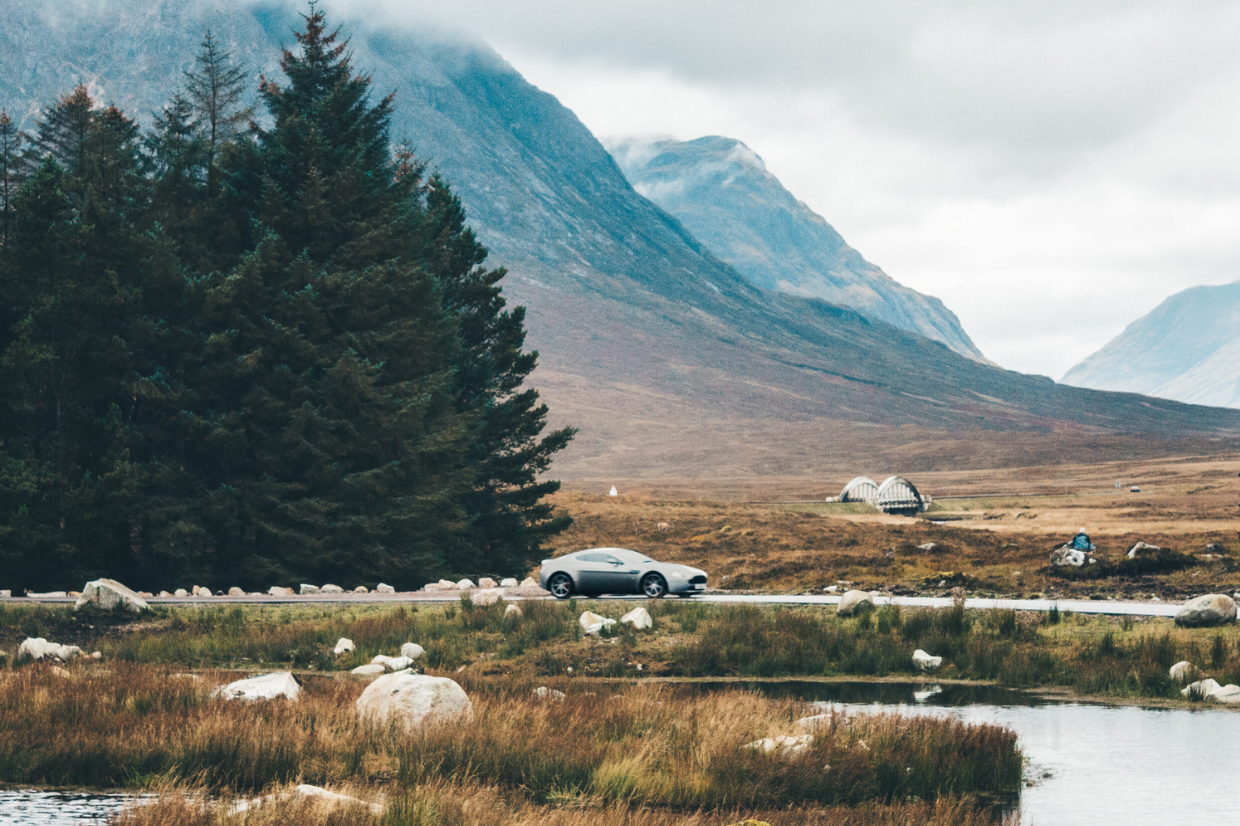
column 247, row 358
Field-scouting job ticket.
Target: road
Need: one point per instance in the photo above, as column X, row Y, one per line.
column 1078, row 606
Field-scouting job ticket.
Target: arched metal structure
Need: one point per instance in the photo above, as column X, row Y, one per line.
column 898, row 495
column 861, row 489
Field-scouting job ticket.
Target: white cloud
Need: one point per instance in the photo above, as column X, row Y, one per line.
column 1050, row 170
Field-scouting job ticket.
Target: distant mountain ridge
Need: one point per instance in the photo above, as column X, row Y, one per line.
column 722, row 192
column 1187, row 349
column 670, row 361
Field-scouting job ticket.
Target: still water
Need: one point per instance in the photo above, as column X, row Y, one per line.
column 1090, row 764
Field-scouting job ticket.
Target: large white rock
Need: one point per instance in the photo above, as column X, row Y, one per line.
column 180, row 592
column 279, row 591
column 235, row 592
column 370, row 669
column 593, row 624
column 331, row 589
column 487, row 582
column 384, row 588
column 434, row 587
column 412, row 650
column 392, row 663
column 924, row 662
column 7, row 593
column 528, row 582
column 343, row 646
column 307, row 588
column 544, row 693
column 490, row 596
column 447, row 585
column 36, row 648
column 415, row 700
column 361, row 589
column 639, row 618
column 852, row 602
column 815, row 722
column 507, row 582
column 1211, row 690
column 1182, row 671
column 280, row 685
column 512, row 612
column 1205, row 611
column 465, row 585
column 108, row 594
column 783, row 746
column 323, row 795
column 1067, row 557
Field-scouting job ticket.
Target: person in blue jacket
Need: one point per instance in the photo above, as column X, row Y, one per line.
column 1081, row 542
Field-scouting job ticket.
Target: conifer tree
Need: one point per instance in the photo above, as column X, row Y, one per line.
column 216, row 89
column 62, row 133
column 12, row 168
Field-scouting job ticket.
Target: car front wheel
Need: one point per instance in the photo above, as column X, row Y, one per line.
column 560, row 586
column 654, row 586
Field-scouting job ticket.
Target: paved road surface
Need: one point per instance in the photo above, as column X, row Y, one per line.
column 1079, row 606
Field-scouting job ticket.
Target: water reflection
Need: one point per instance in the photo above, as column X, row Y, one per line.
column 31, row 807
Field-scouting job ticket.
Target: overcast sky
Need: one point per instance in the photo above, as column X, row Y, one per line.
column 1051, row 170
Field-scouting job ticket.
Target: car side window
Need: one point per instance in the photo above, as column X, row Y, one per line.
column 595, row 557
column 610, row 559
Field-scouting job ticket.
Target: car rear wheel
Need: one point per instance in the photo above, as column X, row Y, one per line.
column 654, row 586
column 560, row 586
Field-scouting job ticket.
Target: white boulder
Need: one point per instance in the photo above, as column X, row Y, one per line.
column 36, row 648
column 370, row 669
column 108, row 595
column 7, row 593
column 343, row 646
column 447, row 585
column 544, row 693
column 490, row 596
column 1182, row 671
column 528, row 582
column 815, row 722
column 361, row 589
column 1206, row 611
column 279, row 591
column 415, row 700
column 924, row 662
column 384, row 588
column 593, row 624
column 507, row 582
column 412, row 650
column 323, row 795
column 331, row 589
column 280, row 685
column 47, row 594
column 306, row 588
column 782, row 746
column 235, row 592
column 512, row 612
column 465, row 585
column 433, row 587
column 487, row 582
column 853, row 601
column 398, row 663
column 67, row 653
column 639, row 618
column 1067, row 557
column 180, row 592
column 1211, row 690
column 928, row 546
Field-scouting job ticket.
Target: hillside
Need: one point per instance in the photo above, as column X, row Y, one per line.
column 1187, row 348
column 670, row 361
column 723, row 193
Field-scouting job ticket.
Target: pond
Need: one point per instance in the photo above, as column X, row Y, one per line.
column 1089, row 763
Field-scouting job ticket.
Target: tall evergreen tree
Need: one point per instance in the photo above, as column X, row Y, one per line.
column 12, row 169
column 216, row 88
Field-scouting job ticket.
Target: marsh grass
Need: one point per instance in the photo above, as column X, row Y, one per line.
column 131, row 725
column 449, row 804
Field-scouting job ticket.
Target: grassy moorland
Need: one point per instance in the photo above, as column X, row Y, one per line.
column 1098, row 656
column 131, row 725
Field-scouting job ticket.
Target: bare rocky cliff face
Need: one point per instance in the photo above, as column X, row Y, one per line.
column 670, row 361
column 722, row 192
column 1187, row 349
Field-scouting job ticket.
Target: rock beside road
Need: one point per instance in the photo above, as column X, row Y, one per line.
column 416, row 700
column 384, row 588
column 307, row 589
column 110, row 595
column 280, row 685
column 235, row 592
column 639, row 618
column 529, row 582
column 508, row 582
column 593, row 624
column 331, row 589
column 489, row 596
column 1207, row 611
column 513, row 612
column 465, row 585
column 487, row 582
column 279, row 591
column 854, row 601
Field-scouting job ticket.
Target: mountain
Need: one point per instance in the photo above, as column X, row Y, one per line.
column 723, row 193
column 1187, row 348
column 671, row 363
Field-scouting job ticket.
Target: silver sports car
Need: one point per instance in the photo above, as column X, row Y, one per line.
column 596, row 571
